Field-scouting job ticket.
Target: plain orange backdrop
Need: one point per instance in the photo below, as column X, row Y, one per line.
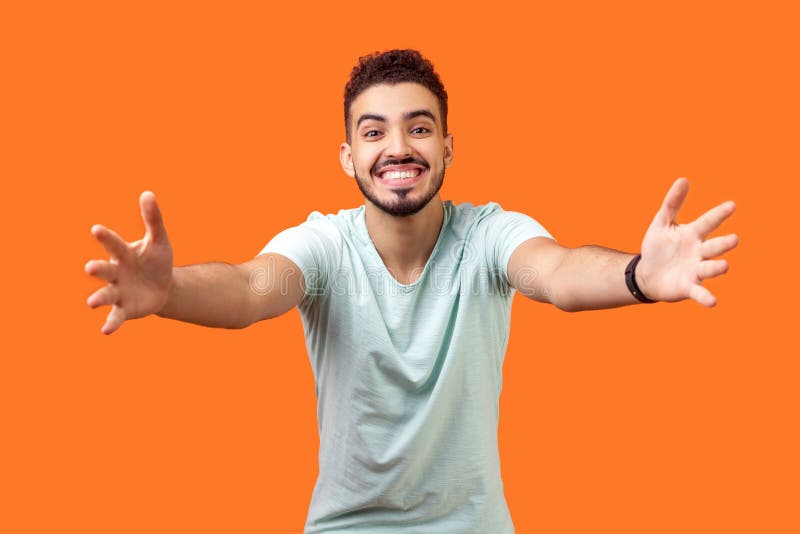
column 648, row 419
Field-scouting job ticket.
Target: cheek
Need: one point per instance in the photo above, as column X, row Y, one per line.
column 364, row 161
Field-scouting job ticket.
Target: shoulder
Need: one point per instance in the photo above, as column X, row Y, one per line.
column 316, row 240
column 467, row 218
column 494, row 231
column 468, row 212
column 342, row 221
column 332, row 227
column 317, row 219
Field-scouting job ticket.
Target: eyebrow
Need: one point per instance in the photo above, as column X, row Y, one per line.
column 419, row 113
column 406, row 116
column 370, row 116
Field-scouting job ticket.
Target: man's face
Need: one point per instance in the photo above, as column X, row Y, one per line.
column 397, row 152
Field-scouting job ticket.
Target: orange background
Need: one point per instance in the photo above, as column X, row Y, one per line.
column 660, row 419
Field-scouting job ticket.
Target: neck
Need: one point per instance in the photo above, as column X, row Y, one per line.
column 405, row 243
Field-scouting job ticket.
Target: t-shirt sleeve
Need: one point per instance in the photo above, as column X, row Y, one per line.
column 505, row 231
column 313, row 247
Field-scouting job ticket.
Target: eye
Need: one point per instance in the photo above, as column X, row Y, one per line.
column 372, row 133
column 420, row 130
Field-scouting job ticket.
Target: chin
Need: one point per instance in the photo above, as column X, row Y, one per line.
column 405, row 203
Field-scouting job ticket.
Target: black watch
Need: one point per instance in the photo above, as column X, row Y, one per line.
column 630, row 280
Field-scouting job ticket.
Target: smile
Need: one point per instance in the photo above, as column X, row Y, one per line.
column 401, row 178
column 399, row 175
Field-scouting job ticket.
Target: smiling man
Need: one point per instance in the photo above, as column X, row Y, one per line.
column 406, row 304
column 411, row 167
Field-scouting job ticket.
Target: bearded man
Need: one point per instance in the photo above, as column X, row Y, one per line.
column 406, row 303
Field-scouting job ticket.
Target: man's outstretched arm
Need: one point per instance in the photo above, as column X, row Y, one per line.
column 141, row 281
column 676, row 258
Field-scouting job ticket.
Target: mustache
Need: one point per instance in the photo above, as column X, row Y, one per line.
column 409, row 160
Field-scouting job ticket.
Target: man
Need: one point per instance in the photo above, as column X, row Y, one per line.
column 405, row 303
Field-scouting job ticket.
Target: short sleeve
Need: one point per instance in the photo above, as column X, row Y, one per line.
column 314, row 246
column 504, row 232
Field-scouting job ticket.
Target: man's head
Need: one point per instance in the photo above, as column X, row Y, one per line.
column 397, row 147
column 390, row 68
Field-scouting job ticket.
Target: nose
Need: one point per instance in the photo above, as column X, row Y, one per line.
column 399, row 146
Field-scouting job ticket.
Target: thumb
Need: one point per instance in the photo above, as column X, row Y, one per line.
column 151, row 215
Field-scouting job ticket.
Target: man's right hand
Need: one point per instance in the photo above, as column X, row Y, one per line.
column 138, row 274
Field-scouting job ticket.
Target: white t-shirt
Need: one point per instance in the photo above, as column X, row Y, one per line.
column 408, row 377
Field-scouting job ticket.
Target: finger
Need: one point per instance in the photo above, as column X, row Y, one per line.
column 673, row 201
column 103, row 297
column 702, row 296
column 711, row 268
column 114, row 320
column 114, row 244
column 718, row 245
column 710, row 220
column 104, row 270
column 151, row 215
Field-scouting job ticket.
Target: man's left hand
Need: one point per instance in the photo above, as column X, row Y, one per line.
column 676, row 258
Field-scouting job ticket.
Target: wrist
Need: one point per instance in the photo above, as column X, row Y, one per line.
column 170, row 295
column 636, row 281
column 641, row 279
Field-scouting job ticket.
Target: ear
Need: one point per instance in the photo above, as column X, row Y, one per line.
column 346, row 159
column 448, row 150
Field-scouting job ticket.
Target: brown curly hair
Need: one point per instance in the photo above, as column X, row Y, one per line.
column 391, row 67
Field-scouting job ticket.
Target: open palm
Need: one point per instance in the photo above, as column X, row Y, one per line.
column 138, row 274
column 676, row 258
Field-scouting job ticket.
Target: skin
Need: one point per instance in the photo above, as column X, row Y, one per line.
column 141, row 280
column 409, row 129
column 676, row 258
column 391, row 124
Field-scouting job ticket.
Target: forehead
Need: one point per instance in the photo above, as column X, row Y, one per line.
column 392, row 101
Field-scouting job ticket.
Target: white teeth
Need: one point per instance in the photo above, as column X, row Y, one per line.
column 399, row 175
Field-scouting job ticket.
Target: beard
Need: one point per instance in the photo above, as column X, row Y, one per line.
column 401, row 205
